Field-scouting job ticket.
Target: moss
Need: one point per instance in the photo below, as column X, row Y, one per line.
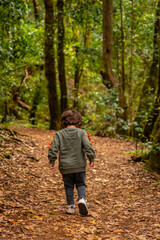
column 155, row 136
column 153, row 163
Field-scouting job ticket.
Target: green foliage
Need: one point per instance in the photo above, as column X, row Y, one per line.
column 143, row 29
column 101, row 111
column 22, row 47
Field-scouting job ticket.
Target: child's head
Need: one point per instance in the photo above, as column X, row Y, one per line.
column 71, row 117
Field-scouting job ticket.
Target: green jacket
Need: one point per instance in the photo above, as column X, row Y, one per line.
column 73, row 146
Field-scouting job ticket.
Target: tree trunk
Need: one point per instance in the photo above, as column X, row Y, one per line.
column 77, row 77
column 153, row 163
column 152, row 128
column 131, row 73
column 6, row 111
column 122, row 85
column 153, row 77
column 36, row 12
column 156, row 129
column 152, row 158
column 150, row 86
column 61, row 57
column 153, row 115
column 50, row 71
column 154, row 112
column 108, row 77
column 117, row 48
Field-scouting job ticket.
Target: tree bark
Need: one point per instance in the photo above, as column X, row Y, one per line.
column 61, row 57
column 153, row 163
column 108, row 77
column 150, row 86
column 131, row 72
column 36, row 12
column 149, row 124
column 50, row 71
column 122, row 84
column 77, row 77
column 123, row 51
column 153, row 77
column 152, row 127
column 154, row 112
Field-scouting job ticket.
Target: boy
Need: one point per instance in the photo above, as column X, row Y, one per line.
column 73, row 146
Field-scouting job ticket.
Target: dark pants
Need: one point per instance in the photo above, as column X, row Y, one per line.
column 72, row 179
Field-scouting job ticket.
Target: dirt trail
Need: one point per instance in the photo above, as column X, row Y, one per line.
column 124, row 199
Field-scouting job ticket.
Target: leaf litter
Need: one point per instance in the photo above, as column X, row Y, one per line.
column 124, row 199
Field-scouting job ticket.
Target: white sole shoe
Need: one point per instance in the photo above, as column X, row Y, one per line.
column 70, row 209
column 83, row 209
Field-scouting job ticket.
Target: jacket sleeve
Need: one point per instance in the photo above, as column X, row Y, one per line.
column 88, row 147
column 54, row 149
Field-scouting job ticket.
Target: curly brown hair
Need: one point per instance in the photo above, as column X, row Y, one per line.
column 71, row 117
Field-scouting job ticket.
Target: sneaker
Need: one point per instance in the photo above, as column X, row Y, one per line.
column 70, row 209
column 82, row 204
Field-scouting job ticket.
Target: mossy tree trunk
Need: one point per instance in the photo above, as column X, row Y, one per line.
column 152, row 118
column 108, row 77
column 152, row 126
column 122, row 83
column 153, row 158
column 50, row 71
column 130, row 84
column 154, row 122
column 61, row 57
column 150, row 85
column 154, row 112
column 77, row 76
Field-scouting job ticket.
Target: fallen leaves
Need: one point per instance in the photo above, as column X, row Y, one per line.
column 39, row 218
column 55, row 229
column 97, row 202
column 123, row 198
column 118, row 231
column 93, row 222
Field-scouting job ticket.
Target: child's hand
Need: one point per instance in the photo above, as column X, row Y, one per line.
column 52, row 166
column 91, row 164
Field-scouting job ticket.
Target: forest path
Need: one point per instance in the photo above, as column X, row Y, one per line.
column 123, row 197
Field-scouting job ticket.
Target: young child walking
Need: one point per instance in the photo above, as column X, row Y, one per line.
column 73, row 146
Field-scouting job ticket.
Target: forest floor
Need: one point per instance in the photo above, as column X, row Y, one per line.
column 124, row 199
